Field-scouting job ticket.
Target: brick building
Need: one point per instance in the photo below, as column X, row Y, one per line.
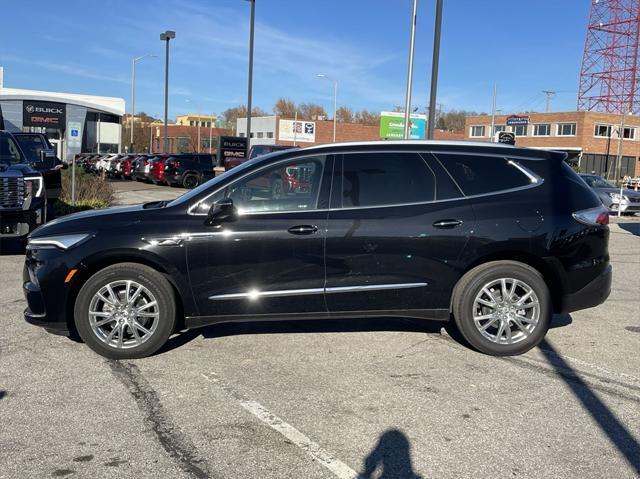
column 184, row 138
column 590, row 137
column 269, row 130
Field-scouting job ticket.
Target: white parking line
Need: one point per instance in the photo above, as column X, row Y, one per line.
column 337, row 467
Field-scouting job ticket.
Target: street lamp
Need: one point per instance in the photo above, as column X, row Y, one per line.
column 250, row 81
column 335, row 101
column 133, row 92
column 166, row 37
column 412, row 43
column 434, row 70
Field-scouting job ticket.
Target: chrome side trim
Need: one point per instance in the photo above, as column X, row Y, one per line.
column 255, row 294
column 529, row 174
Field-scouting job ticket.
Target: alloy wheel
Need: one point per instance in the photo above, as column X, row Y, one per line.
column 506, row 311
column 123, row 314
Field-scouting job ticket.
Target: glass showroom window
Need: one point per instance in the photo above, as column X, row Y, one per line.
column 477, row 130
column 543, row 129
column 567, row 129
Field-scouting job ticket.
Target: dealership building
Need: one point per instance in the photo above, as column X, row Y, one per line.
column 593, row 140
column 73, row 122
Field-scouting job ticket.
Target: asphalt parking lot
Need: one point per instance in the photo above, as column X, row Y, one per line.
column 387, row 398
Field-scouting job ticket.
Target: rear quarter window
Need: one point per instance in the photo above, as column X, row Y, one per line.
column 478, row 174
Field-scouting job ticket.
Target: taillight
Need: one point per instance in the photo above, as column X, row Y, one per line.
column 593, row 216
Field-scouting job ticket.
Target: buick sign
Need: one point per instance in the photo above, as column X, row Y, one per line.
column 44, row 113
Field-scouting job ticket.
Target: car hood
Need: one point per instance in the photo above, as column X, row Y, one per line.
column 625, row 192
column 92, row 220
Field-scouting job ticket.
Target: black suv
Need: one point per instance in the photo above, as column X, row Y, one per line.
column 495, row 236
column 189, row 170
column 23, row 195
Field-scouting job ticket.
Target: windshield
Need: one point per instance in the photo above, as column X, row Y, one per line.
column 31, row 146
column 597, row 182
column 9, row 151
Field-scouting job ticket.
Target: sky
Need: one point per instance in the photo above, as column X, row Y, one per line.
column 523, row 46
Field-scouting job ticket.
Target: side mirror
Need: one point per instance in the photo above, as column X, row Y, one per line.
column 221, row 211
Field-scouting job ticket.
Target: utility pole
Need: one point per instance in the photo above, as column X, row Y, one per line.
column 493, row 112
column 549, row 94
column 166, row 37
column 434, row 70
column 250, row 82
column 618, row 163
column 412, row 44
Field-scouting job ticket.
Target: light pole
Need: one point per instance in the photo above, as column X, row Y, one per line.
column 335, row 101
column 166, row 37
column 133, row 92
column 412, row 43
column 434, row 70
column 250, row 81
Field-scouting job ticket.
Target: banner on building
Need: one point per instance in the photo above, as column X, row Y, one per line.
column 514, row 120
column 392, row 126
column 302, row 131
column 43, row 113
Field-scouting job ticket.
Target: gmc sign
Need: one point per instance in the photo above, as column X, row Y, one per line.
column 42, row 113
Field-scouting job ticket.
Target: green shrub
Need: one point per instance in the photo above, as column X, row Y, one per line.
column 92, row 192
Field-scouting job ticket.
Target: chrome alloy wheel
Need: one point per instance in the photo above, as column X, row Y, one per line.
column 123, row 314
column 506, row 311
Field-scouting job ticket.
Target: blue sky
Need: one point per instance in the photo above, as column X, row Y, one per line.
column 525, row 46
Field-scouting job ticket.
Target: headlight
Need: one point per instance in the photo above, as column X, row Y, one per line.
column 61, row 241
column 614, row 196
column 33, row 186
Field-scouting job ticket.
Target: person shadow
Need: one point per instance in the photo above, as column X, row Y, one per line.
column 391, row 457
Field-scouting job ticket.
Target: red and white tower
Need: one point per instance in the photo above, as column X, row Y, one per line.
column 609, row 77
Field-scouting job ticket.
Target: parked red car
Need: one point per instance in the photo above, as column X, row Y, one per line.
column 156, row 169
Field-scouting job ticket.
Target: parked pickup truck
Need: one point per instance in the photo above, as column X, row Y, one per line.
column 23, row 189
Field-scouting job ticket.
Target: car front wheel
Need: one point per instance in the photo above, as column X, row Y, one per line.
column 125, row 311
column 502, row 308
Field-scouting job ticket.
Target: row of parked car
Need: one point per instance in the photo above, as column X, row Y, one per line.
column 187, row 169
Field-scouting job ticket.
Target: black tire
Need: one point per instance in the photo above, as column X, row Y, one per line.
column 190, row 181
column 277, row 189
column 154, row 282
column 472, row 283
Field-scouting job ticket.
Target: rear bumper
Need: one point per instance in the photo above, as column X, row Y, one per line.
column 592, row 294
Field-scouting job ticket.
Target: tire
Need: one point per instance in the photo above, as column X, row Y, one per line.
column 158, row 321
column 481, row 288
column 190, row 181
column 277, row 189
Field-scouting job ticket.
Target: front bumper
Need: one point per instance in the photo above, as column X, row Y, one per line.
column 19, row 223
column 592, row 294
column 625, row 207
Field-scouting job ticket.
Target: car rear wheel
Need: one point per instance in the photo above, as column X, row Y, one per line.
column 190, row 181
column 502, row 308
column 125, row 311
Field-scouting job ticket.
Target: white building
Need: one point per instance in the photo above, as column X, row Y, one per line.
column 73, row 122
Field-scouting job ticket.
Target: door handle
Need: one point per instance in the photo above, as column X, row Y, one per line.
column 303, row 230
column 448, row 223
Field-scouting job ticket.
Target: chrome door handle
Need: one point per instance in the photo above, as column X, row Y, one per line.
column 303, row 230
column 448, row 223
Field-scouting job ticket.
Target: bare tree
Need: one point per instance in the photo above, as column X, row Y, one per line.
column 311, row 111
column 344, row 114
column 366, row 117
column 285, row 108
column 232, row 114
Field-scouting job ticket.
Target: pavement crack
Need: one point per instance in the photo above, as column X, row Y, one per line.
column 169, row 434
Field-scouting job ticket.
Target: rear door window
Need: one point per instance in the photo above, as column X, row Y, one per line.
column 479, row 174
column 377, row 179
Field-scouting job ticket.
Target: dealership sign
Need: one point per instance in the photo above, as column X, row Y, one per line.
column 517, row 120
column 231, row 147
column 392, row 126
column 303, row 131
column 43, row 113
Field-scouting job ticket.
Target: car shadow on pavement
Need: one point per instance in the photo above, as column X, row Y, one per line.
column 617, row 433
column 633, row 228
column 391, row 456
column 12, row 246
column 304, row 326
column 2, row 393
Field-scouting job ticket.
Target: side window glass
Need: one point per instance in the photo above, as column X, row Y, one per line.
column 446, row 189
column 376, row 179
column 290, row 186
column 477, row 174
